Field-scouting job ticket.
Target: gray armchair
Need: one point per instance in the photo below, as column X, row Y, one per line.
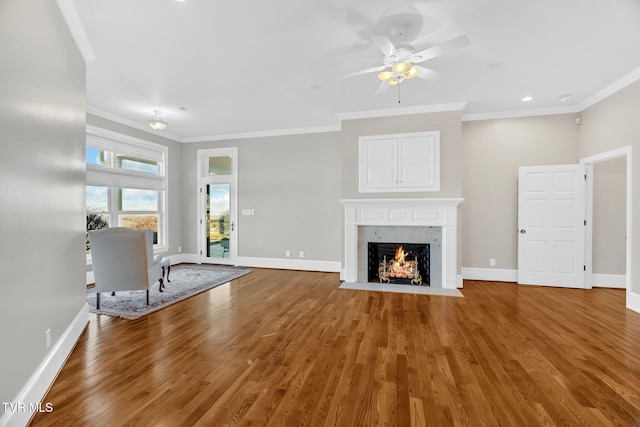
column 123, row 261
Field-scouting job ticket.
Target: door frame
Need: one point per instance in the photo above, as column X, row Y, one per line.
column 202, row 180
column 589, row 162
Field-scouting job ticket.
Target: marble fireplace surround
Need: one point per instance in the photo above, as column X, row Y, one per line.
column 434, row 212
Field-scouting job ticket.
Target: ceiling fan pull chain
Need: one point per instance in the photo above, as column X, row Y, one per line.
column 398, row 93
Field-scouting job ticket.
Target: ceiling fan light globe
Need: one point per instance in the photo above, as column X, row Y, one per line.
column 413, row 72
column 385, row 76
column 401, row 67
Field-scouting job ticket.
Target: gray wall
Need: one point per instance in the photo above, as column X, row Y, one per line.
column 492, row 152
column 42, row 171
column 610, row 216
column 174, row 170
column 610, row 124
column 292, row 182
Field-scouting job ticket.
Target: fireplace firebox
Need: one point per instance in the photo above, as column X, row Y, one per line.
column 399, row 263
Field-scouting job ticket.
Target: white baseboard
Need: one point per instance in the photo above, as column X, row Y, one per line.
column 617, row 281
column 36, row 388
column 290, row 264
column 182, row 258
column 490, row 274
column 633, row 301
column 276, row 263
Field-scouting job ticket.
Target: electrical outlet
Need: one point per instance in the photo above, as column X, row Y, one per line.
column 47, row 339
column 492, row 262
column 301, row 254
column 179, row 248
column 287, row 253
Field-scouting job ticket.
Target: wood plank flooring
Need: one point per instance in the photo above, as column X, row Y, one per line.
column 288, row 348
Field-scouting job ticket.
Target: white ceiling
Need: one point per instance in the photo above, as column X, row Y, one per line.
column 219, row 68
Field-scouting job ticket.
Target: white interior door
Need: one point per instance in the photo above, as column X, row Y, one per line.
column 551, row 225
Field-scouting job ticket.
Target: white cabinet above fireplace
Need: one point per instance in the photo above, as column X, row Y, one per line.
column 400, row 162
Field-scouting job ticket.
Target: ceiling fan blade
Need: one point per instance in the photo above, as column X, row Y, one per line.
column 385, row 45
column 430, row 75
column 442, row 48
column 367, row 71
column 384, row 86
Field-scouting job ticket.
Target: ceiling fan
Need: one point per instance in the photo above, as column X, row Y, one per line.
column 401, row 62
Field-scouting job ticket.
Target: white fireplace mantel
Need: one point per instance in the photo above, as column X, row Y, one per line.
column 434, row 212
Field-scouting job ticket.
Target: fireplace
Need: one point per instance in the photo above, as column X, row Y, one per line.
column 400, row 263
column 430, row 221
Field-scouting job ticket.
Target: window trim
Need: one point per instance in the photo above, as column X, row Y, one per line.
column 113, row 177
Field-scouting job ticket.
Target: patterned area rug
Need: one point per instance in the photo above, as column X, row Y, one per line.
column 186, row 281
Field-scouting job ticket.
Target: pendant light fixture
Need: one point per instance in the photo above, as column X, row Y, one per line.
column 158, row 122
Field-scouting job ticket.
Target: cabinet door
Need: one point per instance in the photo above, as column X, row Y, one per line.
column 378, row 164
column 418, row 163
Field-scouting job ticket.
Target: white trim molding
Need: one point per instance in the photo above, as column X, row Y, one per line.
column 290, row 264
column 490, row 274
column 403, row 111
column 633, row 299
column 275, row 263
column 435, row 212
column 41, row 380
column 71, row 17
column 614, row 281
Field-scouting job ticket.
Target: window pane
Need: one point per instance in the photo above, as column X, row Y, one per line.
column 97, row 198
column 95, row 157
column 142, row 222
column 220, row 165
column 136, row 164
column 138, row 200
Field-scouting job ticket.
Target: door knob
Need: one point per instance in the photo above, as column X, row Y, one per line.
column 523, row 231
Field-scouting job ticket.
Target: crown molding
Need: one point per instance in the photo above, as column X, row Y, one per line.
column 71, row 17
column 521, row 113
column 402, row 111
column 262, row 134
column 609, row 90
column 131, row 123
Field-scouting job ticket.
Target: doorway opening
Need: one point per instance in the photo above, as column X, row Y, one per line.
column 590, row 162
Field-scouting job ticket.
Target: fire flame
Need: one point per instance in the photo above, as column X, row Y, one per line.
column 399, row 264
column 400, row 255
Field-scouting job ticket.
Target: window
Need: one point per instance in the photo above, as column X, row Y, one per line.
column 126, row 184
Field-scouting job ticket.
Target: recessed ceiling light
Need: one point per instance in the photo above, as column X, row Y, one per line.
column 527, row 99
column 565, row 99
column 315, row 87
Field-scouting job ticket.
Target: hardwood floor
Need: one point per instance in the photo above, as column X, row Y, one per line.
column 290, row 348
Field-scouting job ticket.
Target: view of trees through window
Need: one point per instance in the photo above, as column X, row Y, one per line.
column 97, row 220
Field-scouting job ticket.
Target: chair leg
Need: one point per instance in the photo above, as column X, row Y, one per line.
column 97, row 300
column 161, row 288
column 147, row 296
column 168, row 271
